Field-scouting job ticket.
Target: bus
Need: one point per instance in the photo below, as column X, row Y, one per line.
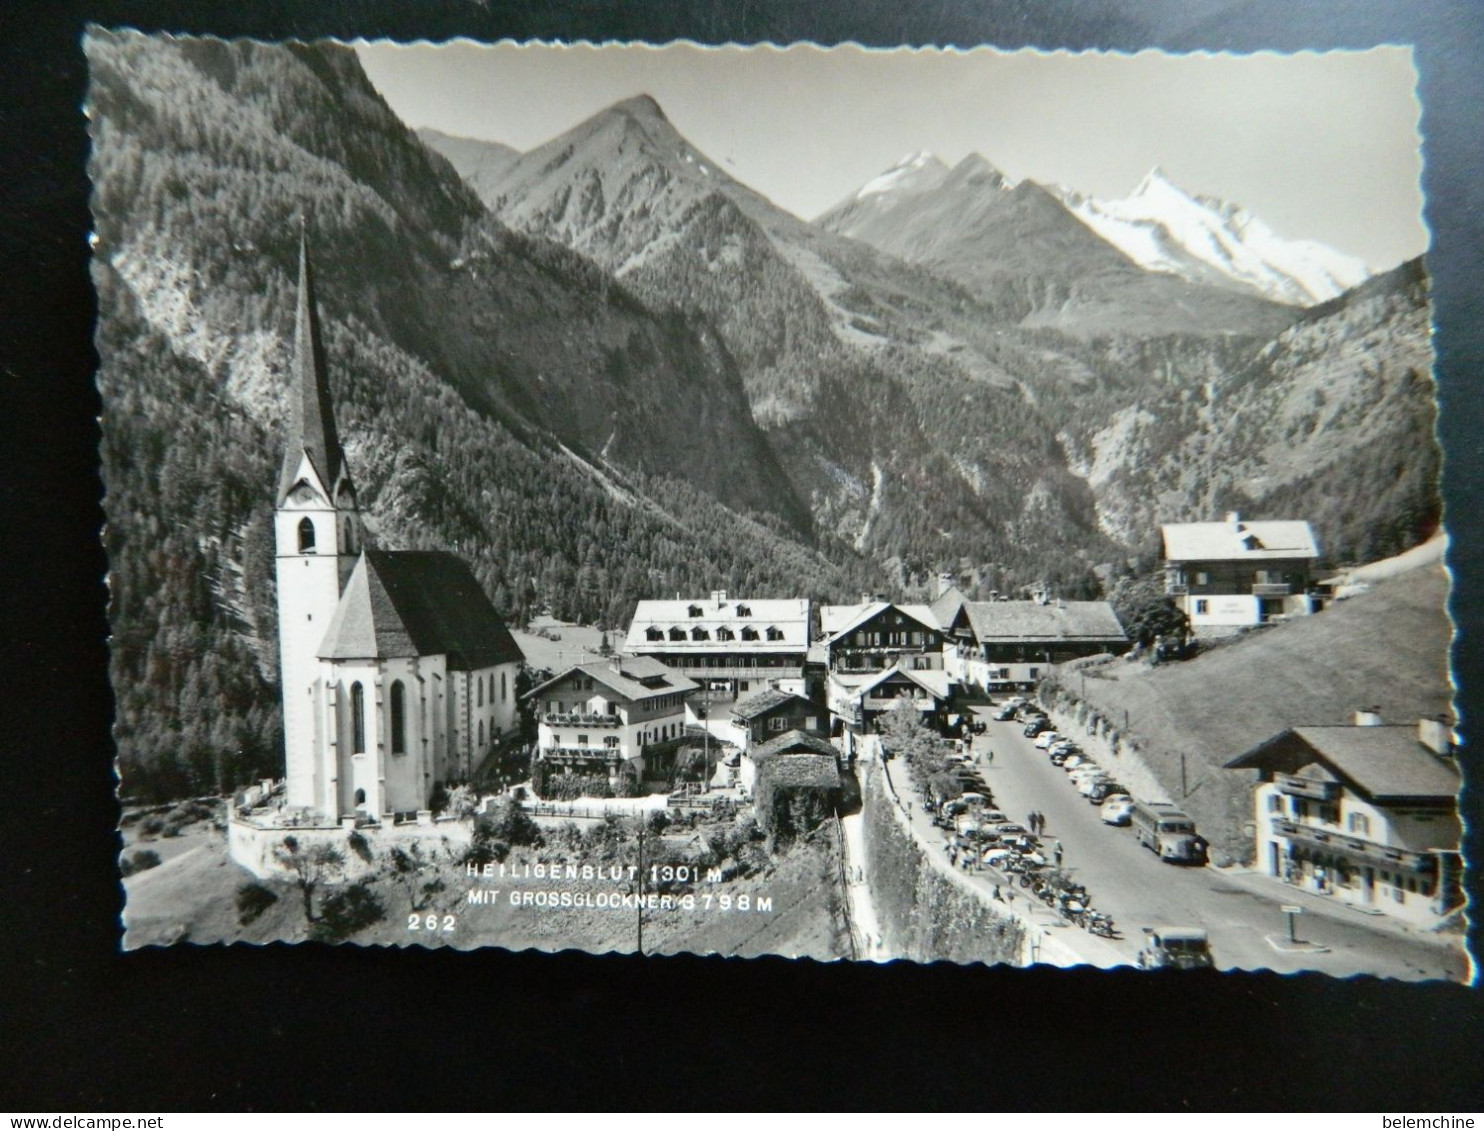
column 1168, row 832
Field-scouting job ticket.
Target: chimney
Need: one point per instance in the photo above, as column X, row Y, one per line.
column 1368, row 717
column 1039, row 595
column 866, row 598
column 718, row 597
column 1436, row 734
column 945, row 583
column 1235, row 519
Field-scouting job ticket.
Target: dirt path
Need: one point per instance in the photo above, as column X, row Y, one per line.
column 858, row 891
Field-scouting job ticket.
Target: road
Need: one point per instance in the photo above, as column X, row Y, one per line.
column 1241, row 912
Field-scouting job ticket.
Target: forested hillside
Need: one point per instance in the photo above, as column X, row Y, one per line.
column 489, row 389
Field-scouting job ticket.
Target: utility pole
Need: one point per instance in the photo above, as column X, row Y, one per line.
column 639, row 909
column 1184, row 791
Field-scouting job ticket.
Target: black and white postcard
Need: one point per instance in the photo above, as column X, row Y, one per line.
column 854, row 504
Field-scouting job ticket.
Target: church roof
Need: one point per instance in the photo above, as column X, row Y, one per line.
column 401, row 604
column 311, row 417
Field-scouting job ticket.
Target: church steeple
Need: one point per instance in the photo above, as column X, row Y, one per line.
column 311, row 415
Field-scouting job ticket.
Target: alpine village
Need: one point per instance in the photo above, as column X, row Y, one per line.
column 571, row 548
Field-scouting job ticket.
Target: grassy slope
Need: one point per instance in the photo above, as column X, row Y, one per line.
column 1387, row 647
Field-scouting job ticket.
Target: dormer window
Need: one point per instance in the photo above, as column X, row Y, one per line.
column 695, row 611
column 677, row 633
column 748, row 632
column 774, row 633
column 743, row 611
column 306, row 536
column 725, row 633
column 699, row 633
column 652, row 633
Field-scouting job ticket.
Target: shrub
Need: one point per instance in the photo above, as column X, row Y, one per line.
column 486, row 848
column 252, row 900
column 346, row 912
column 460, row 802
column 152, row 826
column 360, row 845
column 507, row 821
column 140, row 860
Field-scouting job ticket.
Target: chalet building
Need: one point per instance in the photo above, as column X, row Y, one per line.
column 601, row 717
column 791, row 764
column 730, row 647
column 1366, row 813
column 999, row 645
column 858, row 700
column 398, row 675
column 1231, row 575
column 766, row 715
column 876, row 635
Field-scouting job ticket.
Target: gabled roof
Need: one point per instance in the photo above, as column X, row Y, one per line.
column 1382, row 763
column 789, row 616
column 945, row 608
column 402, row 604
column 802, row 771
column 838, row 620
column 1052, row 622
column 792, row 743
column 934, row 682
column 1236, row 540
column 311, row 416
column 631, row 677
column 763, row 702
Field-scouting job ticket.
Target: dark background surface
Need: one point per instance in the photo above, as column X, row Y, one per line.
column 85, row 1028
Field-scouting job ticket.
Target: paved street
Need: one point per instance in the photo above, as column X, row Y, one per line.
column 1129, row 882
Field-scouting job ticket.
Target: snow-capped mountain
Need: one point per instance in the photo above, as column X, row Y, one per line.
column 1163, row 228
column 1019, row 249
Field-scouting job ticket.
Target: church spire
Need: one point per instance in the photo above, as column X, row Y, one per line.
column 311, row 415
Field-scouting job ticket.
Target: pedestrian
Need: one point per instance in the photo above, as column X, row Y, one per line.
column 1058, row 856
column 1030, row 820
column 988, row 756
column 997, row 895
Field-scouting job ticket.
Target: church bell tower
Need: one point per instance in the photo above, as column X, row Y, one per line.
column 317, row 531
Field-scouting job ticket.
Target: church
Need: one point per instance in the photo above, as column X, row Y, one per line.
column 398, row 674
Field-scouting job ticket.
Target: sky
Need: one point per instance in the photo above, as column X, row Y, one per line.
column 1318, row 146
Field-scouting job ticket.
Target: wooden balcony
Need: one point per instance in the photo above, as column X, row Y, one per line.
column 1271, row 589
column 580, row 719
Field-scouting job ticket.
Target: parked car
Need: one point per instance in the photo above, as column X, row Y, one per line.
column 1117, row 809
column 978, row 726
column 1059, row 759
column 1089, row 782
column 1005, row 713
column 1077, row 773
column 1035, row 727
column 1075, row 760
column 1183, row 948
column 1046, row 739
column 1063, row 746
column 1105, row 789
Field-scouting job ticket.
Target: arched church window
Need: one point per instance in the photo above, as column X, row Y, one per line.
column 399, row 718
column 349, row 540
column 503, row 691
column 306, row 536
column 357, row 719
column 481, row 733
column 479, row 692
column 360, row 797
